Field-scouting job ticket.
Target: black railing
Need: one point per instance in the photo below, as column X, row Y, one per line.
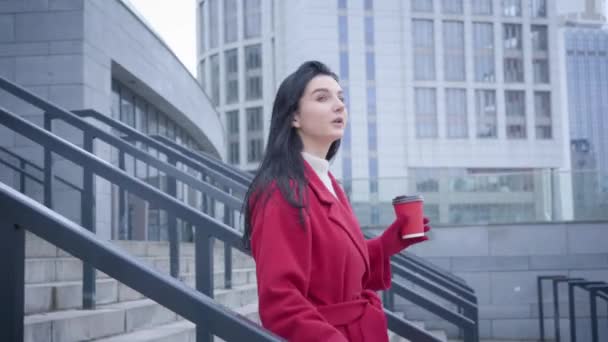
column 20, row 213
column 596, row 290
column 207, row 227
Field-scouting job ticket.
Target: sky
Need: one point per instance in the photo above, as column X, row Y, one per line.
column 175, row 22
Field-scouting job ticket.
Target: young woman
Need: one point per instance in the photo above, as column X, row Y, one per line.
column 316, row 273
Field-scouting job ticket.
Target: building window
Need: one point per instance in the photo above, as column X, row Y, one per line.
column 541, row 70
column 426, row 113
column 215, row 79
column 540, row 47
column 483, row 47
column 230, row 21
column 252, row 15
column 456, row 113
column 453, row 50
column 202, row 72
column 424, row 50
column 203, row 29
column 426, row 179
column 422, row 5
column 254, row 134
column 515, row 108
column 513, row 62
column 451, row 7
column 538, row 8
column 482, row 7
column 214, row 32
column 514, row 70
column 511, row 8
column 232, row 128
column 485, row 109
column 542, row 110
column 512, row 37
column 539, row 38
column 232, row 76
column 253, row 72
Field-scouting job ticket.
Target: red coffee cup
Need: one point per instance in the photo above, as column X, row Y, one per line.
column 410, row 206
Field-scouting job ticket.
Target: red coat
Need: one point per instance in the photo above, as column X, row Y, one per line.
column 317, row 283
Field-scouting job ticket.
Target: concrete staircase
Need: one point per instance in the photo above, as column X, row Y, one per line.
column 53, row 296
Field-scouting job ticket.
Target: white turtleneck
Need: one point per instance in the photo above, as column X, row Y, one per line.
column 321, row 167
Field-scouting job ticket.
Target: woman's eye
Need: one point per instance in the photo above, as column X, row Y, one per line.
column 341, row 99
column 321, row 98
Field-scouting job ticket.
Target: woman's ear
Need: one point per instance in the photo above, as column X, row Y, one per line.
column 295, row 122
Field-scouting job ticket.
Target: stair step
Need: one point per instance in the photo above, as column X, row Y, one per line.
column 176, row 331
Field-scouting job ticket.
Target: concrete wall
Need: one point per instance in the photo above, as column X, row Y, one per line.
column 68, row 51
column 502, row 262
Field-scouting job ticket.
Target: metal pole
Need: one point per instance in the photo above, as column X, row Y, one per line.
column 204, row 274
column 172, row 225
column 228, row 220
column 12, row 266
column 594, row 329
column 541, row 316
column 48, row 165
column 556, row 310
column 87, row 206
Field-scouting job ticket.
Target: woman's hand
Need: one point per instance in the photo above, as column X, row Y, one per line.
column 393, row 243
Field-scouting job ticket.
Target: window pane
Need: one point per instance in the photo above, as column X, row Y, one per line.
column 485, row 102
column 511, row 8
column 254, row 134
column 252, row 15
column 426, row 113
column 215, row 79
column 451, row 6
column 539, row 38
column 483, row 45
column 483, row 7
column 453, row 41
column 230, row 21
column 214, row 34
column 541, row 70
column 253, row 68
column 514, row 70
column 456, row 113
column 232, row 76
column 203, row 29
column 515, row 108
column 542, row 110
column 422, row 5
column 512, row 36
column 538, row 8
column 424, row 49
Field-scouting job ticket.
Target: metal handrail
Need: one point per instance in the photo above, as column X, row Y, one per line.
column 21, row 213
column 401, row 327
column 132, row 134
column 437, row 269
column 239, row 175
column 97, row 166
column 24, row 162
column 583, row 284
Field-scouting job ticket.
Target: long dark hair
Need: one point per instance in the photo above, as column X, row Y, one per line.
column 283, row 164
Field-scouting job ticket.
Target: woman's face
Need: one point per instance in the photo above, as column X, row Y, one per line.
column 321, row 117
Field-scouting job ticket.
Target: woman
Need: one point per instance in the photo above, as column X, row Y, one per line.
column 316, row 273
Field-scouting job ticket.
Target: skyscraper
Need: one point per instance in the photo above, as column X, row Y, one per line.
column 438, row 93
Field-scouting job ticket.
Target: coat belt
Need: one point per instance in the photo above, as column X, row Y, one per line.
column 344, row 313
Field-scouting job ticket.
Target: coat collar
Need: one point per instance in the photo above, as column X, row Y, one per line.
column 339, row 210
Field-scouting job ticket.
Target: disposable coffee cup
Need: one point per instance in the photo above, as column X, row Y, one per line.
column 410, row 206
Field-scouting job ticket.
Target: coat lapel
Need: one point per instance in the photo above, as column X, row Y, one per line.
column 338, row 210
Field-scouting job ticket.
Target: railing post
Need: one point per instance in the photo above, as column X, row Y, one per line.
column 204, row 274
column 12, row 288
column 172, row 224
column 541, row 316
column 593, row 309
column 87, row 206
column 48, row 165
column 123, row 220
column 22, row 176
column 228, row 220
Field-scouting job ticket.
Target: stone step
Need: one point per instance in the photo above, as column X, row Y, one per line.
column 36, row 247
column 117, row 318
column 176, row 331
column 66, row 268
column 45, row 297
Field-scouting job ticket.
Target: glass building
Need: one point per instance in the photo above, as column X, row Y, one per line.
column 452, row 93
